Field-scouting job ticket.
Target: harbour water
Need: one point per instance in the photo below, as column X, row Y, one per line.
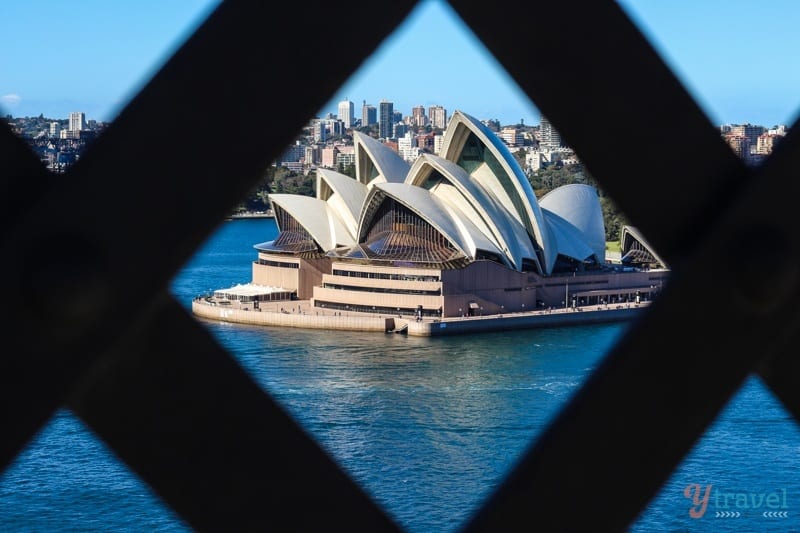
column 429, row 426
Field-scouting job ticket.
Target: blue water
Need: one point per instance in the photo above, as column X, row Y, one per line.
column 427, row 426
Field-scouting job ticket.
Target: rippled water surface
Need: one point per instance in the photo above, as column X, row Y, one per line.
column 428, row 426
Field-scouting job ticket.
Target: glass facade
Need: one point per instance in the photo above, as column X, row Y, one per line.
column 399, row 233
column 387, row 290
column 474, row 154
column 279, row 264
column 367, row 171
column 380, row 310
column 383, row 275
column 293, row 237
column 434, row 179
column 638, row 254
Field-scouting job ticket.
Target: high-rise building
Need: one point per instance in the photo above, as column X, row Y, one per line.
column 550, row 138
column 739, row 144
column 512, row 136
column 320, row 131
column 311, row 156
column 751, row 131
column 55, row 129
column 407, row 147
column 399, row 130
column 385, row 119
column 369, row 115
column 780, row 129
column 293, row 153
column 329, row 154
column 418, row 117
column 766, row 143
column 345, row 156
column 336, row 127
column 425, row 141
column 77, row 121
column 437, row 115
column 438, row 141
column 347, row 113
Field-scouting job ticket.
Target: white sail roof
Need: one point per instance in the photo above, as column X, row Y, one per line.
column 483, row 209
column 343, row 194
column 567, row 238
column 579, row 205
column 475, row 195
column 446, row 219
column 318, row 219
column 632, row 233
column 376, row 162
column 500, row 174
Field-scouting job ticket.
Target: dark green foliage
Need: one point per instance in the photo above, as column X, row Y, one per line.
column 371, row 130
column 519, row 155
column 554, row 176
column 287, row 181
column 493, row 124
column 278, row 180
column 347, row 170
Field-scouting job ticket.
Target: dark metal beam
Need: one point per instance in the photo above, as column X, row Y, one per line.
column 93, row 319
column 667, row 379
column 659, row 389
column 23, row 179
column 190, row 422
column 600, row 83
column 86, row 267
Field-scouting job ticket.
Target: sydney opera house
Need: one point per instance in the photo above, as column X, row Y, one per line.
column 458, row 234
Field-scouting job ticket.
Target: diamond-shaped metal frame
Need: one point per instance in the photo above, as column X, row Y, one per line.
column 88, row 322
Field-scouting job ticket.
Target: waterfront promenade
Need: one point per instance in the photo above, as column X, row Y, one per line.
column 251, row 214
column 300, row 314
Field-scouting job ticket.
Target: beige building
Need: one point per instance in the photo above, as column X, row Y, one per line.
column 766, row 143
column 460, row 234
column 328, row 158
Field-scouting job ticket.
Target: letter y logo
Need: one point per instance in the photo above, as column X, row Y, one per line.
column 692, row 491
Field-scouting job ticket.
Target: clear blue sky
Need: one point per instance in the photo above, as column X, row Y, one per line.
column 739, row 59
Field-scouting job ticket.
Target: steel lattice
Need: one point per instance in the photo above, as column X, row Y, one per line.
column 145, row 376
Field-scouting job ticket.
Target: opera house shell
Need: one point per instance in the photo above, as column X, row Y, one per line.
column 461, row 233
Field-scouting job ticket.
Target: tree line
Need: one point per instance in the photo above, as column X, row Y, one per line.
column 554, row 176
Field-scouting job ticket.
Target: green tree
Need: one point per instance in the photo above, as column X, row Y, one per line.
column 519, row 155
column 612, row 218
column 279, row 180
column 371, row 130
column 348, row 169
column 554, row 176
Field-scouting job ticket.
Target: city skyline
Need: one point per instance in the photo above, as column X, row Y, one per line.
column 735, row 60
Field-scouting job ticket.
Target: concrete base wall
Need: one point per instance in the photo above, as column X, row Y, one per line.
column 425, row 328
column 520, row 321
column 292, row 320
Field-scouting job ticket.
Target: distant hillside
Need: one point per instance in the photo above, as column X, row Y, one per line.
column 277, row 180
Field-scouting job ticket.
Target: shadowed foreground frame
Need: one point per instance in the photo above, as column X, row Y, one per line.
column 182, row 414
